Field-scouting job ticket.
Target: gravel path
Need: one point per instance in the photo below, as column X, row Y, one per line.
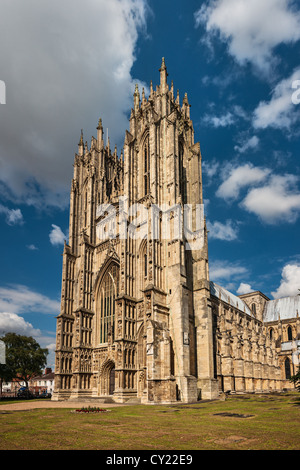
column 31, row 405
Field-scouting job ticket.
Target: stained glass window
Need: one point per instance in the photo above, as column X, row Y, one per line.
column 108, row 293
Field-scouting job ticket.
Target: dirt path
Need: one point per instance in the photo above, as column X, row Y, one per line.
column 31, row 405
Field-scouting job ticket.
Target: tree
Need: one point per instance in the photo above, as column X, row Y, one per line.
column 24, row 357
column 296, row 380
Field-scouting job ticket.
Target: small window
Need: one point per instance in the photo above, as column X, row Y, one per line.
column 290, row 334
column 253, row 308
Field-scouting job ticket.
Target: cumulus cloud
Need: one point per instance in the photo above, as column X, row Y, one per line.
column 240, row 177
column 220, row 231
column 244, row 289
column 13, row 323
column 21, row 299
column 69, row 64
column 289, row 284
column 57, row 236
column 280, row 112
column 13, row 216
column 277, row 201
column 251, row 29
column 223, row 270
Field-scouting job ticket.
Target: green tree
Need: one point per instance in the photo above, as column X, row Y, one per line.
column 296, row 380
column 24, row 357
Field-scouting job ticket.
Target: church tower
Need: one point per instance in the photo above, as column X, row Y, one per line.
column 136, row 319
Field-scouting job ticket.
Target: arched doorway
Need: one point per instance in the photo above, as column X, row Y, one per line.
column 107, row 378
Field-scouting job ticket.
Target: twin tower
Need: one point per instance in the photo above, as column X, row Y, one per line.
column 136, row 321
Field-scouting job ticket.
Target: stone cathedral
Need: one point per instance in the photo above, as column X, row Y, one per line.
column 140, row 319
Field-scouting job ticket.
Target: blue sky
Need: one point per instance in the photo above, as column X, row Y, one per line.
column 65, row 64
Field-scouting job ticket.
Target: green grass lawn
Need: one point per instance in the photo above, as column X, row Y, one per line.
column 254, row 422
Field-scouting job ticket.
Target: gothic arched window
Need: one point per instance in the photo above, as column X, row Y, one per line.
column 107, row 294
column 290, row 334
column 287, row 367
column 253, row 308
column 181, row 172
column 146, row 163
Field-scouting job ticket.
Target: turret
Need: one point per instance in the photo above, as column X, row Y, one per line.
column 136, row 99
column 100, row 134
column 80, row 145
column 163, row 77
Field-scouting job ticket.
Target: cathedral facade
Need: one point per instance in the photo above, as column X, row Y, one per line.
column 140, row 318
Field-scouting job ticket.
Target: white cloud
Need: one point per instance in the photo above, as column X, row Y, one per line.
column 13, row 216
column 250, row 144
column 252, row 29
column 69, row 64
column 279, row 112
column 290, row 282
column 239, row 177
column 209, row 170
column 13, row 323
column 20, row 299
column 222, row 121
column 57, row 237
column 224, row 270
column 244, row 289
column 220, row 231
column 32, row 247
column 277, row 201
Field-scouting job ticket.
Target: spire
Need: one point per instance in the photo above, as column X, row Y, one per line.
column 186, row 106
column 80, row 144
column 144, row 101
column 163, row 76
column 100, row 124
column 136, row 98
column 151, row 89
column 100, row 133
column 81, row 138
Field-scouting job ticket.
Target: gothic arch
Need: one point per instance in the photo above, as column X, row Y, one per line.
column 106, row 293
column 287, row 368
column 144, row 164
column 111, row 257
column 107, row 377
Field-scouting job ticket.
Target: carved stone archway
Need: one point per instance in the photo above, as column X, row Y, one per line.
column 107, row 378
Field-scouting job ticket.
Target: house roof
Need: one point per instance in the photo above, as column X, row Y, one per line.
column 228, row 297
column 285, row 308
column 49, row 376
